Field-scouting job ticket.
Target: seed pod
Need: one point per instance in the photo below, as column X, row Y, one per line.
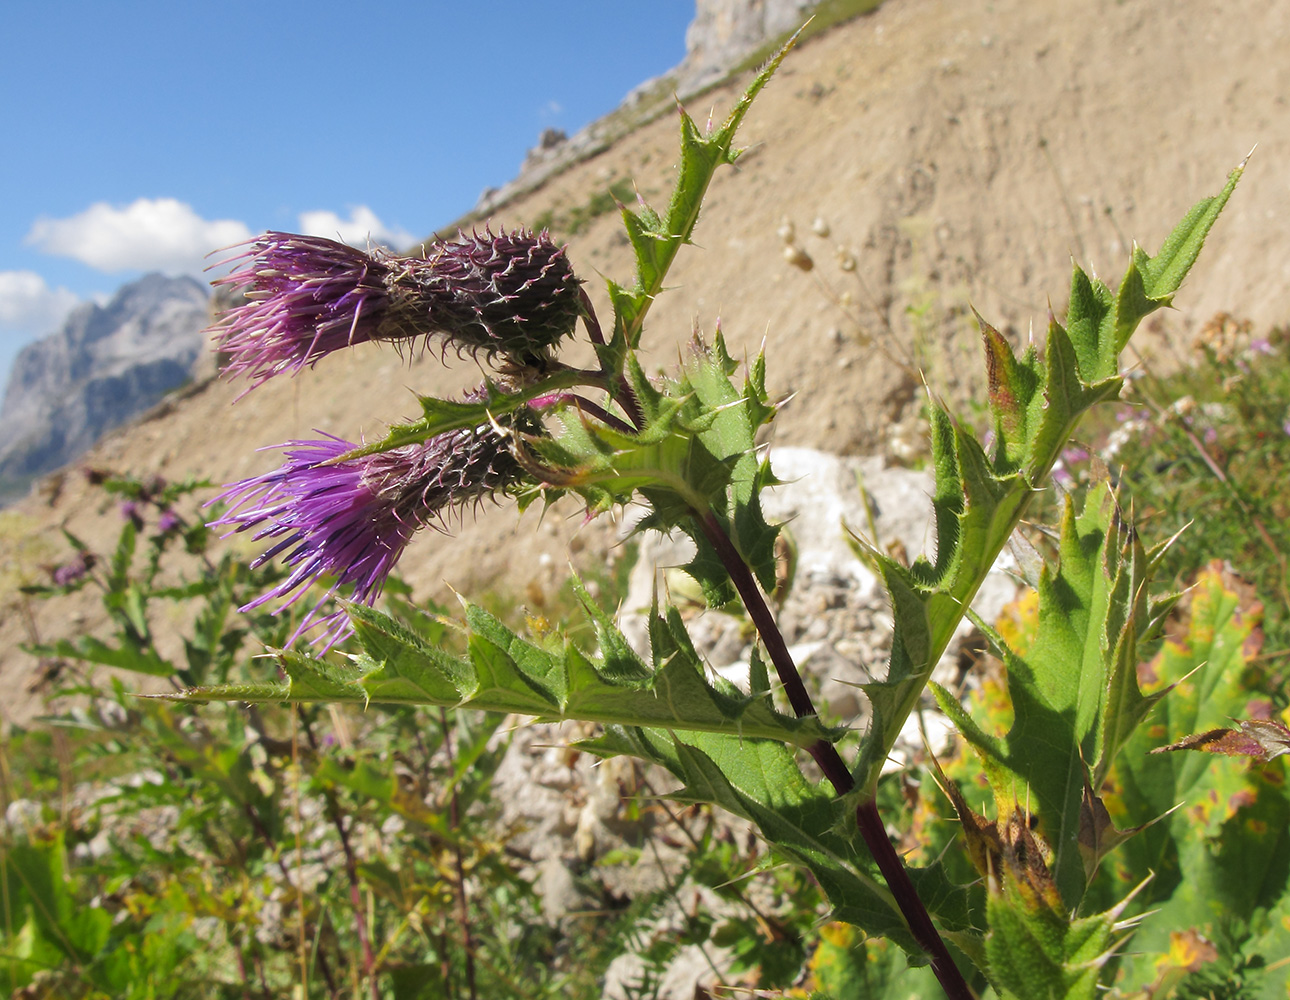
column 798, row 257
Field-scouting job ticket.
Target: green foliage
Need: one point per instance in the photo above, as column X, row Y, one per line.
column 197, row 878
column 847, row 964
column 1075, row 694
column 506, row 673
column 978, row 498
column 656, row 239
column 1222, row 858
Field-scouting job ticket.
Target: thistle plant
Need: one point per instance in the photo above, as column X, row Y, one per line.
column 1024, row 911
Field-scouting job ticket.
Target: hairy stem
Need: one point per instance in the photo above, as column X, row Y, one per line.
column 835, row 769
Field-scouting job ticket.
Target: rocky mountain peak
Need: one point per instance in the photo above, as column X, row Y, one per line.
column 724, row 32
column 105, row 365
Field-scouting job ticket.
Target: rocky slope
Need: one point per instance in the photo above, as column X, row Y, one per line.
column 106, row 365
column 959, row 152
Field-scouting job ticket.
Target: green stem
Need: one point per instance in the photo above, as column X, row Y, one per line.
column 351, row 869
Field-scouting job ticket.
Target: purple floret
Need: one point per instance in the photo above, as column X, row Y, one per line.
column 72, row 570
column 307, row 297
column 352, row 520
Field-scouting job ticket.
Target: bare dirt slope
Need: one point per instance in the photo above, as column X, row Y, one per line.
column 961, row 150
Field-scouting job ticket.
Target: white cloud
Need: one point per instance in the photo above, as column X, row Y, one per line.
column 150, row 234
column 29, row 306
column 362, row 226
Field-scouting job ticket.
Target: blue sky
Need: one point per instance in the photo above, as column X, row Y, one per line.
column 139, row 135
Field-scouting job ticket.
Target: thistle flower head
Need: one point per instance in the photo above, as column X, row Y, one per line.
column 352, row 519
column 72, row 570
column 513, row 294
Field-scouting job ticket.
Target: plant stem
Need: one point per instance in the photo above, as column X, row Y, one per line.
column 835, row 769
column 618, row 388
column 351, row 868
column 454, row 821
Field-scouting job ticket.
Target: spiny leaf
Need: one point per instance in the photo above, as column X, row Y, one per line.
column 506, row 673
column 1089, row 321
column 655, row 240
column 696, row 453
column 1220, row 855
column 1036, row 406
column 1075, row 694
column 976, row 510
column 760, row 781
column 1151, row 281
column 1035, row 951
column 1016, row 401
column 404, row 656
column 439, row 416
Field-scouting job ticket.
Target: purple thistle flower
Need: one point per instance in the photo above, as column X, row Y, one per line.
column 353, row 519
column 130, row 512
column 514, row 293
column 72, row 570
column 168, row 521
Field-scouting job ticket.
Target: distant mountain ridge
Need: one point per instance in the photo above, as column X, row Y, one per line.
column 104, row 366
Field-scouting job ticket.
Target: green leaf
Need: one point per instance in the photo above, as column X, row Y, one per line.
column 441, row 416
column 403, row 656
column 1035, row 951
column 128, row 656
column 1075, row 694
column 696, row 453
column 978, row 501
column 1224, row 853
column 656, row 239
column 1152, row 281
column 760, row 781
column 506, row 673
column 377, row 785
